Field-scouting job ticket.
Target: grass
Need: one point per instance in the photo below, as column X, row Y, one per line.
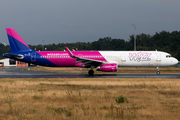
column 121, row 70
column 90, row 98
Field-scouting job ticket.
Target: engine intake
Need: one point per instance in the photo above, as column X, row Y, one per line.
column 110, row 67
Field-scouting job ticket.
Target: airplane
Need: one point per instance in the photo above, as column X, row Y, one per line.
column 107, row 61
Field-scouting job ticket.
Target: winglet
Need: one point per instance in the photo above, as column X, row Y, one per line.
column 69, row 52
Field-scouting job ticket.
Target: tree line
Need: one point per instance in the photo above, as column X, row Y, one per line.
column 161, row 41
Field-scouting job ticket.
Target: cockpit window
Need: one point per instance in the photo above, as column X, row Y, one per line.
column 168, row 56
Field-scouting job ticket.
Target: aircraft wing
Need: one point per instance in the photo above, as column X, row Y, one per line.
column 84, row 61
column 88, row 62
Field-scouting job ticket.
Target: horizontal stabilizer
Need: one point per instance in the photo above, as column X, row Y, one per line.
column 18, row 56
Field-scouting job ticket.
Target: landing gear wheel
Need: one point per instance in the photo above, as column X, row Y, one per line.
column 158, row 73
column 91, row 72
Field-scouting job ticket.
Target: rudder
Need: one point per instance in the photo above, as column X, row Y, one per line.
column 17, row 44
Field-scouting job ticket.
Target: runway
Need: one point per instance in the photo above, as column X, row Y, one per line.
column 13, row 72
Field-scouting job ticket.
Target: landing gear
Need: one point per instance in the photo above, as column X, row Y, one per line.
column 91, row 72
column 157, row 71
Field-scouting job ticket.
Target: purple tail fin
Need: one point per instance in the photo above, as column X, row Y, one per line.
column 17, row 44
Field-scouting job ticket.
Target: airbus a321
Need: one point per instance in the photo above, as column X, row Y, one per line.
column 107, row 61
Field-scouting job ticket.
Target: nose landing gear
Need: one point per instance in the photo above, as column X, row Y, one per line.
column 157, row 71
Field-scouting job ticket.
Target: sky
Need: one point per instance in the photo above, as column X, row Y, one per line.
column 69, row 21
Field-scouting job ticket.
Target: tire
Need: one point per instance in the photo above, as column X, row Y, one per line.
column 158, row 73
column 91, row 72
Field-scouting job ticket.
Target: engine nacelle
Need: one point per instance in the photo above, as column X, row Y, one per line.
column 110, row 67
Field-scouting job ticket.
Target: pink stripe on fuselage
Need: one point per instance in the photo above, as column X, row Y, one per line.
column 62, row 58
column 94, row 55
column 14, row 34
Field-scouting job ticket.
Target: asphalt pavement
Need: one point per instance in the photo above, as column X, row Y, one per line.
column 16, row 72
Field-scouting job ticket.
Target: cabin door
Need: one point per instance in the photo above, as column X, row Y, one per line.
column 33, row 57
column 158, row 58
column 123, row 59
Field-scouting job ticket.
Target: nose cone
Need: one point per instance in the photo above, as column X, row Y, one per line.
column 175, row 61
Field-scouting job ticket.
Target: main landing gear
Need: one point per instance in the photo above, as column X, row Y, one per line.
column 157, row 71
column 91, row 72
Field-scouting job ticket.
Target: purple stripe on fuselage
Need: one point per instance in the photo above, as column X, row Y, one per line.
column 14, row 34
column 62, row 58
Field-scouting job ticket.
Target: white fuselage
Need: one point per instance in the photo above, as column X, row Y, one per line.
column 139, row 58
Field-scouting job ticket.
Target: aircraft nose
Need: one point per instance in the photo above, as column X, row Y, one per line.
column 175, row 61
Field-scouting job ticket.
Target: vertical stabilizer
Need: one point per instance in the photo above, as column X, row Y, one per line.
column 17, row 44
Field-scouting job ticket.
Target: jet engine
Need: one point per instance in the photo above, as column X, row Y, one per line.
column 110, row 67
